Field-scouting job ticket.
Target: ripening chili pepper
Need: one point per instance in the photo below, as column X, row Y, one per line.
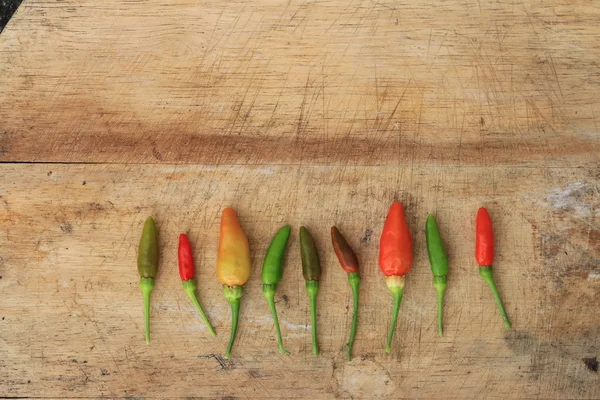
column 311, row 270
column 395, row 259
column 233, row 266
column 439, row 265
column 349, row 263
column 147, row 267
column 272, row 272
column 484, row 253
column 186, row 272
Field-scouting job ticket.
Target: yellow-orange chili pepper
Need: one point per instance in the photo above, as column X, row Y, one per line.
column 233, row 266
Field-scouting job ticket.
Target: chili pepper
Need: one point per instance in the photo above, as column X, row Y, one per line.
column 349, row 263
column 147, row 267
column 186, row 272
column 311, row 270
column 439, row 264
column 272, row 272
column 484, row 253
column 233, row 266
column 395, row 259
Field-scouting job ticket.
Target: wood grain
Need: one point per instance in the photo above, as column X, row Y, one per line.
column 300, row 112
column 295, row 81
column 72, row 313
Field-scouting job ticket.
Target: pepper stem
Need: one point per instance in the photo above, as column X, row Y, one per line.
column 354, row 279
column 312, row 287
column 486, row 274
column 439, row 282
column 396, row 286
column 233, row 295
column 269, row 293
column 190, row 288
column 147, row 284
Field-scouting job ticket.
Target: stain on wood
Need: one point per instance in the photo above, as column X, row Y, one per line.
column 591, row 363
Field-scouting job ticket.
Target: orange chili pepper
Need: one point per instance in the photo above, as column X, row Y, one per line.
column 395, row 259
column 233, row 266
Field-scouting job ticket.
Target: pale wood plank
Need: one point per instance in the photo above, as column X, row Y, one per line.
column 246, row 82
column 71, row 309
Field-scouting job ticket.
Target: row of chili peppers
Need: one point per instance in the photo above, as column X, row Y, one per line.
column 395, row 261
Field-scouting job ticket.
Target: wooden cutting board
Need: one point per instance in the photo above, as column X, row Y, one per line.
column 309, row 113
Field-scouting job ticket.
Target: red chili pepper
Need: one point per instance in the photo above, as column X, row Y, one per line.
column 344, row 252
column 484, row 253
column 395, row 259
column 484, row 239
column 395, row 255
column 349, row 263
column 186, row 261
column 186, row 272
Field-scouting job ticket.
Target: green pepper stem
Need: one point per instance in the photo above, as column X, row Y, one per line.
column 486, row 274
column 396, row 285
column 312, row 287
column 269, row 293
column 233, row 295
column 190, row 288
column 397, row 294
column 235, row 311
column 147, row 284
column 354, row 279
column 439, row 282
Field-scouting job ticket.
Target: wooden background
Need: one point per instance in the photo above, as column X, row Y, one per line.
column 300, row 112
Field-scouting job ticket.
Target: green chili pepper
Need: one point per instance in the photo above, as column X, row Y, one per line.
column 147, row 267
column 311, row 269
column 439, row 264
column 272, row 272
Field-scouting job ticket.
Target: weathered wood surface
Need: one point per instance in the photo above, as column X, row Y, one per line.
column 361, row 82
column 72, row 311
column 301, row 112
